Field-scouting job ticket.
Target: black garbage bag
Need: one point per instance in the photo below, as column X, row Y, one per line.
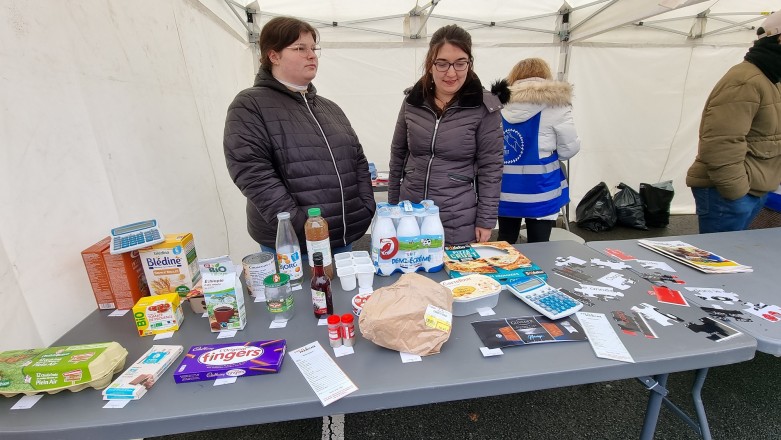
column 596, row 211
column 657, row 198
column 629, row 207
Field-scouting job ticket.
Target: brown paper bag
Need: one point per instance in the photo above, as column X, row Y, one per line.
column 393, row 317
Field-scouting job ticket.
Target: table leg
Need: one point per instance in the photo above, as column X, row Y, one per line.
column 658, row 392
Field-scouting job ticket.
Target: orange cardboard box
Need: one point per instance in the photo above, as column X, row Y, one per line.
column 122, row 275
column 98, row 275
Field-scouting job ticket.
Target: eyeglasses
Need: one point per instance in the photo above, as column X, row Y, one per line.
column 303, row 51
column 458, row 66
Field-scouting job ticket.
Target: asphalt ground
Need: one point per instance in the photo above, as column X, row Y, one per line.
column 742, row 401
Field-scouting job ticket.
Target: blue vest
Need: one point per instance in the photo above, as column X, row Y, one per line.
column 531, row 187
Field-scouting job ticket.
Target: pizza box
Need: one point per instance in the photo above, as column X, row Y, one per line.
column 495, row 259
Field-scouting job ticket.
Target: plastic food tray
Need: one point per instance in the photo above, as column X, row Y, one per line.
column 473, row 292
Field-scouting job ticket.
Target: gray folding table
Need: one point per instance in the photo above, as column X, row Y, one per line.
column 458, row 372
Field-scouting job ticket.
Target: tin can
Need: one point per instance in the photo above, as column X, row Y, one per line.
column 256, row 268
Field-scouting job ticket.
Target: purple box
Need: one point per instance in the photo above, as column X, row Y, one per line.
column 213, row 361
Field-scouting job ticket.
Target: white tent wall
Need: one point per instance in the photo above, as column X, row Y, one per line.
column 637, row 110
column 112, row 112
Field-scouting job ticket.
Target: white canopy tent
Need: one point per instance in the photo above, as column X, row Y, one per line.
column 112, row 111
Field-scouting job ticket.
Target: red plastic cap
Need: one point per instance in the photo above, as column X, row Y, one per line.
column 333, row 319
column 347, row 318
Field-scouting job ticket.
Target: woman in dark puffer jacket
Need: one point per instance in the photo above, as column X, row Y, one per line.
column 448, row 142
column 289, row 149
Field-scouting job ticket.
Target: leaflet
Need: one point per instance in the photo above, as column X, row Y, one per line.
column 323, row 374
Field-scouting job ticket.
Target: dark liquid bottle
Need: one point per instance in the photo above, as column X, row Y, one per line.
column 321, row 288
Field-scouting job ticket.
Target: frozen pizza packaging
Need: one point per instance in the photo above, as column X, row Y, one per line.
column 495, row 259
column 215, row 361
column 54, row 369
column 139, row 377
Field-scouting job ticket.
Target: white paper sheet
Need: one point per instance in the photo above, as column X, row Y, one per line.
column 602, row 337
column 321, row 372
column 119, row 312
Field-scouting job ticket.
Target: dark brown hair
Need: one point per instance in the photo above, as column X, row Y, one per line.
column 454, row 35
column 279, row 33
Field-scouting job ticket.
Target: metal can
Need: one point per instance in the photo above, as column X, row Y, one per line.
column 256, row 268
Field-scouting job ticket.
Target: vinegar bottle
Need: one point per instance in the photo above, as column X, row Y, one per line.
column 316, row 233
column 288, row 251
column 321, row 289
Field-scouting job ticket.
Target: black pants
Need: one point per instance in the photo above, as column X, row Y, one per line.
column 536, row 230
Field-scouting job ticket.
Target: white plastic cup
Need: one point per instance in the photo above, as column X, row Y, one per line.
column 346, row 277
column 360, row 254
column 344, row 263
column 362, row 260
column 343, row 256
column 365, row 275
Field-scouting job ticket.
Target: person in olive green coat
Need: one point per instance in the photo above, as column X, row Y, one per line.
column 739, row 155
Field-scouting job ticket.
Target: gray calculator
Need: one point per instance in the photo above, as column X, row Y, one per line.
column 544, row 298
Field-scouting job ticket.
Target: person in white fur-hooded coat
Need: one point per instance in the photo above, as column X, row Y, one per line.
column 539, row 131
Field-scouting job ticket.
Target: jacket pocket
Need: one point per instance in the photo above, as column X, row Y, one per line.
column 460, row 178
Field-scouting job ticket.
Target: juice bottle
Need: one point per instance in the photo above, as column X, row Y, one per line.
column 317, row 240
column 321, row 289
column 288, row 251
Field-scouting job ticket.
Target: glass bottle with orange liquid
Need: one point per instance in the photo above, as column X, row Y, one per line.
column 317, row 240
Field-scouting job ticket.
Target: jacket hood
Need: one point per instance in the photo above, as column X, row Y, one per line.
column 529, row 96
column 471, row 95
column 264, row 78
column 541, row 91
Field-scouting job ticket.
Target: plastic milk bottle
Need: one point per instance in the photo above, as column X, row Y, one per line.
column 385, row 244
column 409, row 242
column 432, row 238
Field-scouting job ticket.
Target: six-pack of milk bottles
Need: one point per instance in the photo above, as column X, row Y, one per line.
column 407, row 237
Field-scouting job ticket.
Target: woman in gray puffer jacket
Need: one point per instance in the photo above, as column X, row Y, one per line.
column 448, row 142
column 288, row 148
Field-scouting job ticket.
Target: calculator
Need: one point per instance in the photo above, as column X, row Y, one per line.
column 545, row 298
column 135, row 236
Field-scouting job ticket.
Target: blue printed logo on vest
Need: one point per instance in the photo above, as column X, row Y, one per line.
column 513, row 146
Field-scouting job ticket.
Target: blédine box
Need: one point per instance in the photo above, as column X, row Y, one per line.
column 498, row 260
column 236, row 359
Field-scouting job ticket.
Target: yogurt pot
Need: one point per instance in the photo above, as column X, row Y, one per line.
column 358, row 302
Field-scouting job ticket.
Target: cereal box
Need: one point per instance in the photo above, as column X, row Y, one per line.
column 171, row 266
column 118, row 281
column 158, row 314
column 214, row 361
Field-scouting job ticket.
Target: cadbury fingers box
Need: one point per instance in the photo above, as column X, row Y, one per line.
column 236, row 359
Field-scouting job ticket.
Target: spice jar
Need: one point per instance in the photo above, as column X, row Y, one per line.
column 348, row 330
column 334, row 331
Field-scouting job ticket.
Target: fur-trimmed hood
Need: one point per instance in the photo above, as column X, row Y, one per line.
column 530, row 96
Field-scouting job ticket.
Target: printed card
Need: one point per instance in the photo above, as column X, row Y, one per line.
column 669, row 296
column 619, row 254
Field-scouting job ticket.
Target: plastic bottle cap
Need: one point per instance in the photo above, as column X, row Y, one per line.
column 284, row 215
column 346, row 318
column 334, row 319
column 433, row 209
column 317, row 258
column 314, row 212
